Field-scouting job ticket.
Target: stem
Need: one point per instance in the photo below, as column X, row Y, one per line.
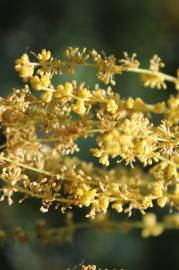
column 27, row 166
column 167, row 77
column 3, row 146
column 65, row 178
column 38, row 196
column 149, row 72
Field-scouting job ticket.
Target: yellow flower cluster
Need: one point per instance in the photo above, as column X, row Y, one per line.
column 42, row 131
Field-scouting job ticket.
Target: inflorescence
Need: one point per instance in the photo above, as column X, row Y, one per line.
column 43, row 123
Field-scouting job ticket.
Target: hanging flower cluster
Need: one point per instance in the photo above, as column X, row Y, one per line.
column 43, row 123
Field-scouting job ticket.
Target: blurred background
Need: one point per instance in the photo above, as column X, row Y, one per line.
column 144, row 27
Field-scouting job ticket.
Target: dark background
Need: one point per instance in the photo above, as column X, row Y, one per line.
column 144, row 27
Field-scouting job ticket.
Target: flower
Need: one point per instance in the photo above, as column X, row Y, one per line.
column 47, row 96
column 40, row 82
column 64, row 90
column 112, row 106
column 79, row 107
column 24, row 67
column 44, row 56
column 151, row 227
